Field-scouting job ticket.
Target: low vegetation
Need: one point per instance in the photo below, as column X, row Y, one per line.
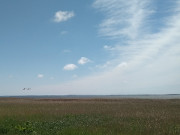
column 89, row 116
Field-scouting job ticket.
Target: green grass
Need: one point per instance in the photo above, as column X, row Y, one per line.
column 89, row 117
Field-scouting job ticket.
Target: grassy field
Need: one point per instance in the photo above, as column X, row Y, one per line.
column 89, row 116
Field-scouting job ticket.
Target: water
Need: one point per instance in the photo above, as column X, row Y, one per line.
column 168, row 96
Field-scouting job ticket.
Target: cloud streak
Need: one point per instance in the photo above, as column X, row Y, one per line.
column 123, row 19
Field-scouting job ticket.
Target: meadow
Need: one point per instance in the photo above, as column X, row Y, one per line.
column 21, row 116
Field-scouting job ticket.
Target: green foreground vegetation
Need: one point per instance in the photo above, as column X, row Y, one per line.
column 89, row 116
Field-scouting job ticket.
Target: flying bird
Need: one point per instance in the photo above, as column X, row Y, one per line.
column 26, row 89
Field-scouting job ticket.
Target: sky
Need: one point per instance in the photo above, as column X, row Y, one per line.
column 89, row 47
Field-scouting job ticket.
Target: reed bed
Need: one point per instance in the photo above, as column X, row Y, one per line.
column 89, row 116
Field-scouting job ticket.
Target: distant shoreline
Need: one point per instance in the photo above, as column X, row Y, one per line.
column 143, row 96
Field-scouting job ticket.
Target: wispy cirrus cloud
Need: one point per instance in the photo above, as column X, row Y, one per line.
column 120, row 21
column 61, row 16
column 123, row 19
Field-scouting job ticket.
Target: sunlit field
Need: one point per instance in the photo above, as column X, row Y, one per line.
column 89, row 116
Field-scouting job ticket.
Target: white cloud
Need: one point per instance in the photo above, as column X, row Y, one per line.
column 83, row 60
column 40, row 76
column 61, row 16
column 70, row 67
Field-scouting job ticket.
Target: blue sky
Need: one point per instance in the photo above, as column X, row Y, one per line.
column 89, row 47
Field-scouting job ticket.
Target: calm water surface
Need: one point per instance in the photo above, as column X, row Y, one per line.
column 170, row 96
